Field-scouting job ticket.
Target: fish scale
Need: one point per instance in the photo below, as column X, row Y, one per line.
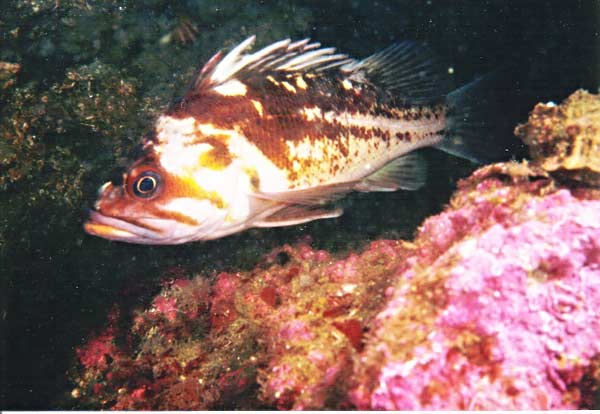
column 274, row 137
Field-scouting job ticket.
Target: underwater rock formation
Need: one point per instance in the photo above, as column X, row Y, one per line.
column 498, row 310
column 294, row 325
column 493, row 305
column 564, row 139
column 8, row 72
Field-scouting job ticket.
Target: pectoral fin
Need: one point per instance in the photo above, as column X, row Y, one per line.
column 407, row 172
column 297, row 214
column 320, row 195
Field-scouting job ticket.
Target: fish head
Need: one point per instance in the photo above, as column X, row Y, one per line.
column 147, row 204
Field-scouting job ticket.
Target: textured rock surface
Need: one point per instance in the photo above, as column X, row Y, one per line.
column 564, row 139
column 498, row 310
column 284, row 335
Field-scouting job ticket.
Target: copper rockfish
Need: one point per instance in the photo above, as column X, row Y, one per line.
column 271, row 138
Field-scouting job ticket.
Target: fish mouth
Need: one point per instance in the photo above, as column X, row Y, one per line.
column 114, row 228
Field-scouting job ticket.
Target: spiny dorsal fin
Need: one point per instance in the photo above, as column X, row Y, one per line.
column 406, row 70
column 281, row 56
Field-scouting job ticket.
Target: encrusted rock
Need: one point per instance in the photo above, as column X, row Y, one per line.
column 565, row 139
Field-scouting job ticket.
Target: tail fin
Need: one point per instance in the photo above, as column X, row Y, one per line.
column 482, row 116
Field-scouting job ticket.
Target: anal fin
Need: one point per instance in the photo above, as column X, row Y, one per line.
column 407, row 172
column 297, row 214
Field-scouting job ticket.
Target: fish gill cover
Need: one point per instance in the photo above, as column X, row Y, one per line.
column 81, row 81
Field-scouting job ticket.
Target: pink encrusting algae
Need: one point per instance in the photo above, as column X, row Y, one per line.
column 282, row 335
column 505, row 318
column 494, row 305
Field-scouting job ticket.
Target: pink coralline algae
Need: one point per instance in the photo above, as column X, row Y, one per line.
column 280, row 336
column 101, row 347
column 503, row 311
column 493, row 305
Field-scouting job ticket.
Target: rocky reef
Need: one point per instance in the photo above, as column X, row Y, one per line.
column 492, row 305
column 564, row 139
column 498, row 308
column 81, row 81
column 284, row 335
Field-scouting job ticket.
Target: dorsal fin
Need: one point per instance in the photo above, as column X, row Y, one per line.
column 407, row 70
column 202, row 75
column 281, row 56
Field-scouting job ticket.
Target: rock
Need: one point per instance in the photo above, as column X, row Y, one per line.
column 565, row 139
column 498, row 307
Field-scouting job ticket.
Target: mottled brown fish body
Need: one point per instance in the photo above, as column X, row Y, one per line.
column 318, row 129
column 272, row 138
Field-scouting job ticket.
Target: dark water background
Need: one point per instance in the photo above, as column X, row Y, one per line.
column 93, row 74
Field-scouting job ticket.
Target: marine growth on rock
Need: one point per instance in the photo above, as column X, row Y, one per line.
column 565, row 139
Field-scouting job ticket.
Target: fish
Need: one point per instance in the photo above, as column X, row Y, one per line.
column 274, row 137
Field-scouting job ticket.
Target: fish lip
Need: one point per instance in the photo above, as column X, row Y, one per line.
column 113, row 228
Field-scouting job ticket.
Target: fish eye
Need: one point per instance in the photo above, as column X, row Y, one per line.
column 146, row 184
